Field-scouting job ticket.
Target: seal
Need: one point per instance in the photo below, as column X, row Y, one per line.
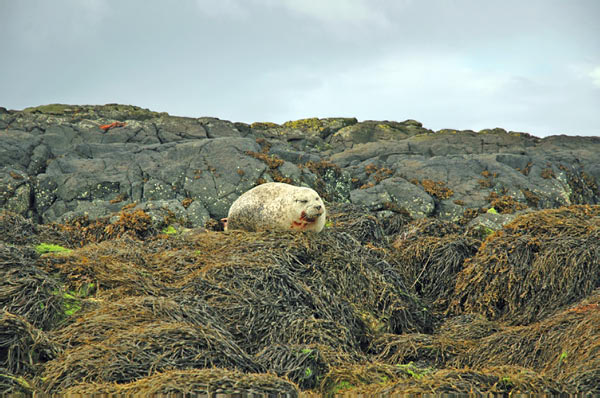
column 277, row 206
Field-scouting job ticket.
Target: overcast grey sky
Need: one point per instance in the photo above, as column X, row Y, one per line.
column 524, row 65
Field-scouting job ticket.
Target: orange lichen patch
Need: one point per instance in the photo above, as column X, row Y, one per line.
column 107, row 127
column 119, row 198
column 187, row 202
column 270, row 160
column 586, row 308
column 547, row 173
column 437, row 189
column 532, row 199
column 506, row 204
column 378, row 173
column 15, row 175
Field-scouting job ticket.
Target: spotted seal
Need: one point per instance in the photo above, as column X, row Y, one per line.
column 277, row 206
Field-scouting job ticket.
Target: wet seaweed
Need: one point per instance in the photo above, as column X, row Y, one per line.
column 430, row 264
column 192, row 382
column 305, row 365
column 17, row 230
column 23, row 347
column 493, row 380
column 14, row 385
column 142, row 350
column 26, row 290
column 360, row 307
column 537, row 264
column 565, row 346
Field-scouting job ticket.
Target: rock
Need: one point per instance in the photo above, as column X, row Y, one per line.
column 56, row 162
column 322, row 128
column 490, row 222
column 61, row 211
column 373, row 131
column 19, row 201
column 216, row 128
column 395, row 193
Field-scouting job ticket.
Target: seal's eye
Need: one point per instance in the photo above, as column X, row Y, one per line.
column 302, row 200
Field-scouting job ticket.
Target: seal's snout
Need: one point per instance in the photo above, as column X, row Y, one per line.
column 316, row 211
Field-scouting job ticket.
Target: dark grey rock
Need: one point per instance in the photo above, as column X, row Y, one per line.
column 93, row 209
column 373, row 131
column 293, row 156
column 16, row 147
column 396, row 191
column 161, row 210
column 56, row 162
column 216, row 128
column 39, row 160
column 44, row 192
column 491, row 221
column 15, row 195
column 197, row 214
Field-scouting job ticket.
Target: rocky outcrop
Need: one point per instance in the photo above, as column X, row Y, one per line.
column 57, row 163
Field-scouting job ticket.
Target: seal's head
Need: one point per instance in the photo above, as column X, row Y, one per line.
column 310, row 213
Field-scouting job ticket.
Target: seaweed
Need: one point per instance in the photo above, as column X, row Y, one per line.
column 144, row 349
column 212, row 382
column 374, row 304
column 564, row 347
column 26, row 290
column 430, row 262
column 23, row 347
column 536, row 264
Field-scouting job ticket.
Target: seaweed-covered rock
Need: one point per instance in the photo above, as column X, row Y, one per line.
column 563, row 347
column 26, row 290
column 324, row 289
column 194, row 381
column 154, row 346
column 535, row 265
column 23, row 348
column 430, row 254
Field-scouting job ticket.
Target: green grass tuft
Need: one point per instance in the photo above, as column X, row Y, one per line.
column 170, row 230
column 44, row 248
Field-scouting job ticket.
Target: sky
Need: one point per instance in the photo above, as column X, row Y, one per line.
column 523, row 65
